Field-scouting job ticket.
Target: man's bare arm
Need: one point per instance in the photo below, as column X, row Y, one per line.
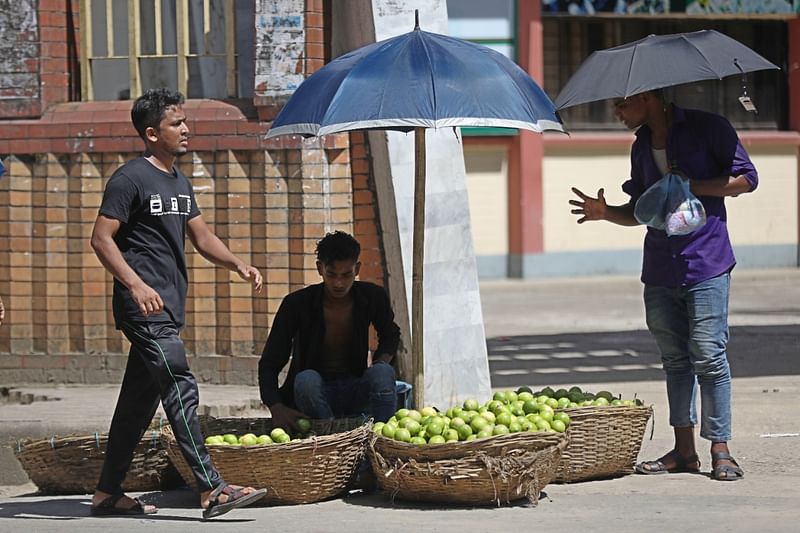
column 107, row 251
column 213, row 249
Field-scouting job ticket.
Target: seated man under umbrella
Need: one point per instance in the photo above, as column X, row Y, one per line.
column 324, row 328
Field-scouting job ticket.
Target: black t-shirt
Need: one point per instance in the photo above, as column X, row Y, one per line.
column 153, row 207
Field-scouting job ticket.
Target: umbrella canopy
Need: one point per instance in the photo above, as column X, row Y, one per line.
column 411, row 82
column 658, row 61
column 418, row 79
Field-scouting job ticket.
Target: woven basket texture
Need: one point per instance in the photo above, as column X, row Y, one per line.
column 603, row 442
column 305, row 471
column 72, row 464
column 491, row 471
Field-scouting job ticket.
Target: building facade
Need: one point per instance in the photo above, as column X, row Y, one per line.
column 68, row 73
column 520, row 183
column 69, row 70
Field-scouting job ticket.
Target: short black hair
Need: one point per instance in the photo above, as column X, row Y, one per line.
column 149, row 109
column 337, row 246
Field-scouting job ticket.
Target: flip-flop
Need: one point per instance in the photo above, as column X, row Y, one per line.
column 682, row 464
column 108, row 507
column 236, row 498
column 732, row 473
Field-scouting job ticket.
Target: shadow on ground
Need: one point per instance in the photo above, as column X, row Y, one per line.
column 382, row 500
column 601, row 357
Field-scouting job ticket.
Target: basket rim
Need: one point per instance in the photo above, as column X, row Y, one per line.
column 294, row 445
column 35, row 445
column 607, row 409
column 475, row 443
column 457, row 450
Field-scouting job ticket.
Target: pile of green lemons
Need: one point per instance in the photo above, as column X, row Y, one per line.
column 507, row 412
column 276, row 436
column 575, row 397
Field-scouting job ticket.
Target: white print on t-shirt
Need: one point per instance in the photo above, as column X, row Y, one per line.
column 178, row 205
column 155, row 204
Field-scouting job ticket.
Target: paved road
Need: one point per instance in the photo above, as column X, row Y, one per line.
column 557, row 332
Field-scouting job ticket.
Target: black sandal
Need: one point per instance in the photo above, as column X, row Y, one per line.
column 725, row 472
column 682, row 464
column 236, row 498
column 108, row 507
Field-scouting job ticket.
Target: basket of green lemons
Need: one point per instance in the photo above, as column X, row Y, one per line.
column 473, row 454
column 605, row 431
column 315, row 464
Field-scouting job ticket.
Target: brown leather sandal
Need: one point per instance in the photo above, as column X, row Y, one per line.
column 725, row 472
column 108, row 507
column 236, row 498
column 682, row 464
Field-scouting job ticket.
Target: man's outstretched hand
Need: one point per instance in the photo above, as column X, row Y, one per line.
column 590, row 208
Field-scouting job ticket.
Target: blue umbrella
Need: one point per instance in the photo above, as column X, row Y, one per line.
column 418, row 79
column 408, row 83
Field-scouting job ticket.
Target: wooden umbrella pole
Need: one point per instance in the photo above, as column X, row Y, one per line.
column 417, row 315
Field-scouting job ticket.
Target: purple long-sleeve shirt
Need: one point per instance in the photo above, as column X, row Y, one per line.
column 702, row 146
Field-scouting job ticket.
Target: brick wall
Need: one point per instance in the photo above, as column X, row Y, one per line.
column 269, row 201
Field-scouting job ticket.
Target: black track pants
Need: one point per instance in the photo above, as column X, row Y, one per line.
column 157, row 370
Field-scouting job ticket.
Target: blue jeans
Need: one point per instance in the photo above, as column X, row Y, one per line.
column 374, row 394
column 690, row 326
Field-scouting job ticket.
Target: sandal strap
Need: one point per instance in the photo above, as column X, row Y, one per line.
column 233, row 494
column 110, row 502
column 224, row 488
column 214, row 496
column 722, row 456
column 680, row 460
column 659, row 465
column 138, row 504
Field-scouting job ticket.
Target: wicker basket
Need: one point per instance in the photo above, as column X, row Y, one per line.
column 603, row 442
column 72, row 464
column 491, row 471
column 304, row 471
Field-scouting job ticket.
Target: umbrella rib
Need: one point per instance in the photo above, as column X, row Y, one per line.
column 433, row 78
column 709, row 63
column 630, row 72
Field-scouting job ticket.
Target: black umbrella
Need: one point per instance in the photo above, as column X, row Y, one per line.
column 658, row 61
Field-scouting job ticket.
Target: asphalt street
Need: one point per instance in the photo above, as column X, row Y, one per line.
column 557, row 332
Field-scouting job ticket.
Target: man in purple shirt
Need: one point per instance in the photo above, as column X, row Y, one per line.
column 687, row 277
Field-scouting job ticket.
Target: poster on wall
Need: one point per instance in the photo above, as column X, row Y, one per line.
column 653, row 7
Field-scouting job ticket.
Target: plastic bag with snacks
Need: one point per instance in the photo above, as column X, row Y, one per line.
column 669, row 205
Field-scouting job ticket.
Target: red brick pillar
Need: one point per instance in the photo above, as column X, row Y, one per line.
column 366, row 227
column 525, row 203
column 57, row 21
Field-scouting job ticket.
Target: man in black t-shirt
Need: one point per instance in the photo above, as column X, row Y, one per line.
column 148, row 209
